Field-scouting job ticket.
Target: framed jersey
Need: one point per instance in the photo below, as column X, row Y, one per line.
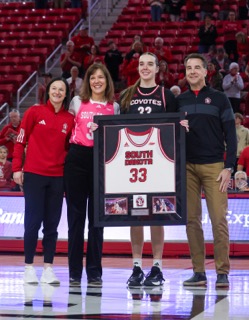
column 139, row 170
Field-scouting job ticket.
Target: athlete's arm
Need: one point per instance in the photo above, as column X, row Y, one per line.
column 171, row 103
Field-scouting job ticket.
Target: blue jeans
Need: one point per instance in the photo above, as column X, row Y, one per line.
column 203, row 48
column 156, row 12
column 76, row 3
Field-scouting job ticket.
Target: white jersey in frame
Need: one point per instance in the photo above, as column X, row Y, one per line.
column 139, row 164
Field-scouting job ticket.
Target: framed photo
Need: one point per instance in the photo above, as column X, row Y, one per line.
column 139, row 170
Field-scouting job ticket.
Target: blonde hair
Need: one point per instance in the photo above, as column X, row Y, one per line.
column 241, row 35
column 240, row 172
column 4, row 148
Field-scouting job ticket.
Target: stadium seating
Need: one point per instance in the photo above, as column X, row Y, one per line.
column 181, row 37
column 7, row 90
column 27, row 37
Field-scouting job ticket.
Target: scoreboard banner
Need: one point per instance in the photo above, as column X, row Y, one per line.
column 139, row 170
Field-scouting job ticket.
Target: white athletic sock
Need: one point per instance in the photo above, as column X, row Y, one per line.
column 137, row 263
column 158, row 263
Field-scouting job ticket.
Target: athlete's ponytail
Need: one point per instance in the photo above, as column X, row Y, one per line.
column 126, row 96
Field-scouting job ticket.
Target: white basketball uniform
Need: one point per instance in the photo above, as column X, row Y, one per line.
column 139, row 164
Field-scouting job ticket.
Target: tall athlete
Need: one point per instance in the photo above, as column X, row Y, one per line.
column 145, row 97
column 96, row 98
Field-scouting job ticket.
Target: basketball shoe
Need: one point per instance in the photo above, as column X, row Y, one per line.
column 137, row 277
column 154, row 277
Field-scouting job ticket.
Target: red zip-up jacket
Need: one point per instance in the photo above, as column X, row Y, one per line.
column 46, row 135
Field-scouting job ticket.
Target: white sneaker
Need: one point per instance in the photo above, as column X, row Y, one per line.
column 30, row 275
column 49, row 277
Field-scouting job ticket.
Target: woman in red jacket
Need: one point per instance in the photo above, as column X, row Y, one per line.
column 93, row 57
column 164, row 77
column 42, row 140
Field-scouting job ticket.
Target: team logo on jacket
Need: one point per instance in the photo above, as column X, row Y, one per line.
column 64, row 128
column 207, row 100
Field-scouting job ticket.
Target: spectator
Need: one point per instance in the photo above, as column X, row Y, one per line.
column 224, row 9
column 243, row 9
column 156, row 9
column 113, row 60
column 160, row 50
column 69, row 59
column 247, row 70
column 83, row 42
column 190, row 8
column 214, row 77
column 46, row 129
column 207, row 34
column 221, row 61
column 175, row 7
column 59, row 4
column 164, row 77
column 242, row 134
column 211, row 54
column 206, row 7
column 212, row 125
column 241, row 182
column 47, row 77
column 76, row 4
column 41, row 4
column 176, row 90
column 93, row 57
column 232, row 86
column 9, row 132
column 74, row 82
column 137, row 47
column 231, row 27
column 243, row 162
column 96, row 98
column 6, row 183
column 130, row 66
column 246, row 104
column 182, row 82
column 242, row 48
column 139, row 38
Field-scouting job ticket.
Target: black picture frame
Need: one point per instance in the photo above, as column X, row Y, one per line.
column 133, row 178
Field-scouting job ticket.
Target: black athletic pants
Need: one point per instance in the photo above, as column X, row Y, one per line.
column 231, row 50
column 43, row 203
column 78, row 179
column 235, row 102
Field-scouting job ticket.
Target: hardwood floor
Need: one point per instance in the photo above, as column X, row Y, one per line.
column 115, row 301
